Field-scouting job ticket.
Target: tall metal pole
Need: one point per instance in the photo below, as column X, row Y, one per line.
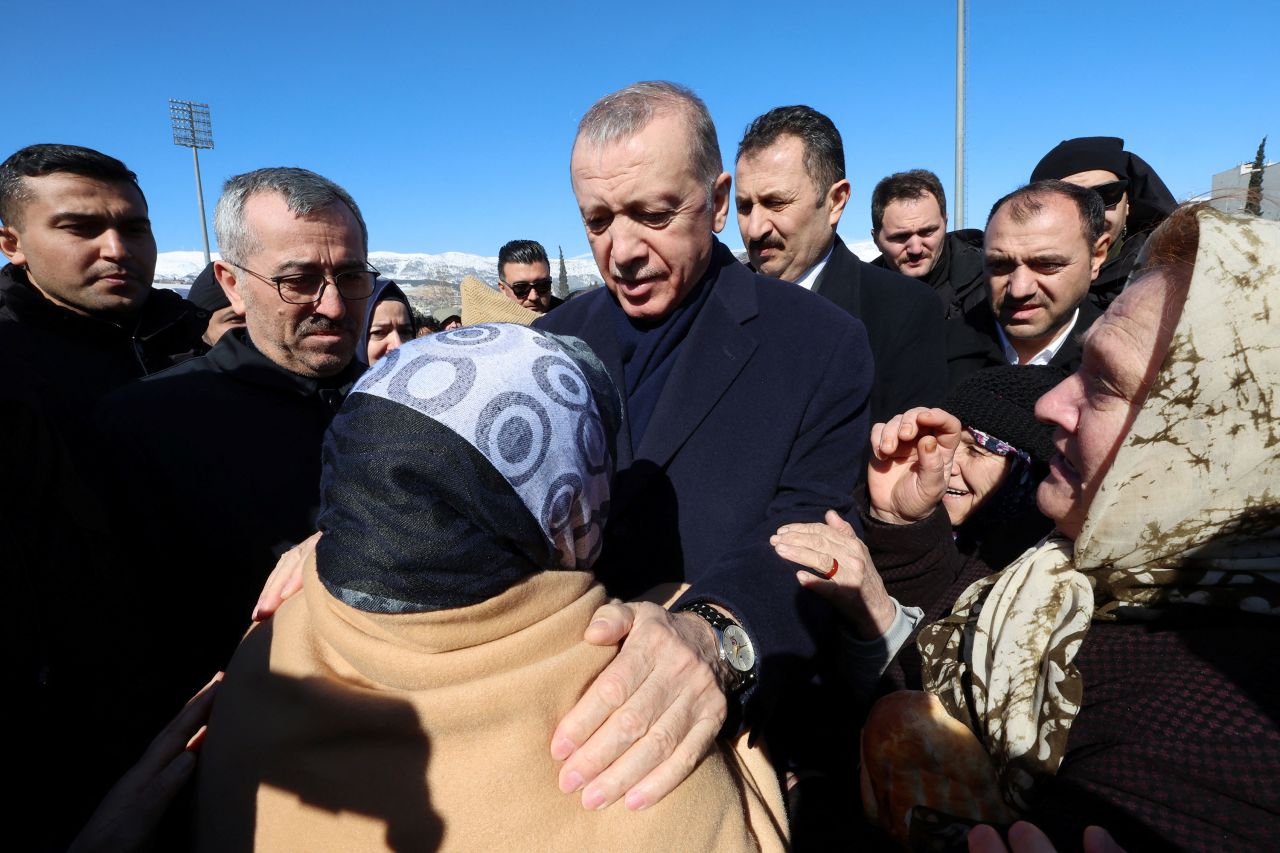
column 958, row 195
column 204, row 227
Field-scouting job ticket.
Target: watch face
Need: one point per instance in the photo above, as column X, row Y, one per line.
column 738, row 649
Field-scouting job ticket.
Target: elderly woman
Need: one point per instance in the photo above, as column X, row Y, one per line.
column 406, row 698
column 1123, row 672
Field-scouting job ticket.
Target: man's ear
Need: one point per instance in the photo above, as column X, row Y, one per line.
column 11, row 245
column 837, row 198
column 230, row 283
column 1100, row 250
column 720, row 201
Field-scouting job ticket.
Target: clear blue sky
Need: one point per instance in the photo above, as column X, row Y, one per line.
column 451, row 123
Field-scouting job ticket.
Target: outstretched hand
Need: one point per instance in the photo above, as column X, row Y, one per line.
column 911, row 463
column 286, row 578
column 133, row 808
column 845, row 575
column 651, row 716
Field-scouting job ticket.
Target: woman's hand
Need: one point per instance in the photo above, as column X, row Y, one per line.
column 286, row 578
column 845, row 575
column 911, row 463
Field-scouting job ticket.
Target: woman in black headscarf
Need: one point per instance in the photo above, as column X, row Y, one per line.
column 1136, row 199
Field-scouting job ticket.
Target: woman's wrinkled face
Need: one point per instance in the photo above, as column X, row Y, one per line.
column 1094, row 408
column 976, row 474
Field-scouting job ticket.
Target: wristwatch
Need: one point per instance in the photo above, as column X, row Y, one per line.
column 736, row 651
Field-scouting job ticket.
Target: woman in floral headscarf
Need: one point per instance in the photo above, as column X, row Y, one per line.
column 1123, row 672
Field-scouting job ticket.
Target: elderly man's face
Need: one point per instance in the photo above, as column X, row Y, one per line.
column 1094, row 408
column 87, row 244
column 911, row 234
column 1116, row 213
column 786, row 224
column 314, row 340
column 1039, row 270
column 647, row 215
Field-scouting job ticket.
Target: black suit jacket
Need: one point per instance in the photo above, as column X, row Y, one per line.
column 904, row 325
column 763, row 421
column 973, row 343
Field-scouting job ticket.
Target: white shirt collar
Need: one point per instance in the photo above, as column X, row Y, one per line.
column 811, row 275
column 1045, row 355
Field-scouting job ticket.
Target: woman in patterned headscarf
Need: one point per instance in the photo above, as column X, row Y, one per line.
column 406, row 698
column 1123, row 672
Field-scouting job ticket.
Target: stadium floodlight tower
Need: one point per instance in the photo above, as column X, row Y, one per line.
column 193, row 129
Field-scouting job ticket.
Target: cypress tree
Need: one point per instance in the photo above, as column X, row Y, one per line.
column 1253, row 199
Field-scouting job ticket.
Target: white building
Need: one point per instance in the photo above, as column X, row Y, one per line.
column 1230, row 189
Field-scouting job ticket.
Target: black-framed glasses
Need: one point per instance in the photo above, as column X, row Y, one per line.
column 304, row 288
column 1112, row 192
column 521, row 288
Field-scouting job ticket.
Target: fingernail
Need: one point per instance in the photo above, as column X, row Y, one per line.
column 562, row 749
column 256, row 609
column 636, row 801
column 599, row 623
column 571, row 783
column 593, row 800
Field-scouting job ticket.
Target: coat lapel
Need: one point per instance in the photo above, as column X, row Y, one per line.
column 841, row 279
column 714, row 353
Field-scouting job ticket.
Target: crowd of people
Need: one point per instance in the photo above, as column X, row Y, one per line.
column 972, row 546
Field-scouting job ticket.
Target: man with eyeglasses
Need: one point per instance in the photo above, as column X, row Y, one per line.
column 216, row 462
column 1135, row 198
column 524, row 274
column 1044, row 245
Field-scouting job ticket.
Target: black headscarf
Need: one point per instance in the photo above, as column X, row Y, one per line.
column 463, row 462
column 1149, row 199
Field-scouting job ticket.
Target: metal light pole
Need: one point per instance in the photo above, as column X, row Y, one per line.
column 958, row 195
column 193, row 129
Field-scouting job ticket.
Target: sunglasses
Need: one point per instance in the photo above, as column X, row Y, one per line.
column 521, row 288
column 1112, row 192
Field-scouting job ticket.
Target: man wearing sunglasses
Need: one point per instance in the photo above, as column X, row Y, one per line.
column 524, row 274
column 215, row 464
column 1135, row 198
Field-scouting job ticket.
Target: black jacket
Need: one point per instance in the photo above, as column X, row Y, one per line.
column 973, row 343
column 1115, row 272
column 904, row 326
column 958, row 276
column 214, row 472
column 761, row 422
column 62, row 362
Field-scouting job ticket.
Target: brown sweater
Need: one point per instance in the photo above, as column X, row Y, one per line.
column 338, row 729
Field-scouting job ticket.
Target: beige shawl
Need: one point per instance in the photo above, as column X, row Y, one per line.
column 342, row 730
column 1189, row 512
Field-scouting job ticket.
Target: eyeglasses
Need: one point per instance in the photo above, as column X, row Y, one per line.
column 1112, row 192
column 305, row 288
column 521, row 288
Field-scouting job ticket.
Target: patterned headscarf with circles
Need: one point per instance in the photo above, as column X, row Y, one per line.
column 463, row 462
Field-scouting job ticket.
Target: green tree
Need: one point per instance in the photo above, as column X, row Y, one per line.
column 562, row 284
column 1253, row 199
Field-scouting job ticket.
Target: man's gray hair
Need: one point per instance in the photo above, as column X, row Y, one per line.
column 304, row 192
column 628, row 111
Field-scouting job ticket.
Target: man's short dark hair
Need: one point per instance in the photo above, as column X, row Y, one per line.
column 912, row 185
column 521, row 252
column 823, row 148
column 1026, row 202
column 36, row 161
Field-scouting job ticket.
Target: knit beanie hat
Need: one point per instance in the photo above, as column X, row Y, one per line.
column 206, row 293
column 1001, row 401
column 462, row 462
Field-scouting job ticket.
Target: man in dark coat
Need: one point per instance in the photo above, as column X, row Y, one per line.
column 78, row 315
column 1135, row 197
column 909, row 227
column 790, row 193
column 1044, row 244
column 216, row 462
column 746, row 407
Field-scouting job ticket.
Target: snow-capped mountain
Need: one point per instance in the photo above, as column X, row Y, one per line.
column 179, row 268
column 405, row 268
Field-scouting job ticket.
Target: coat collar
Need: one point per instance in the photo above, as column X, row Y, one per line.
column 841, row 278
column 236, row 356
